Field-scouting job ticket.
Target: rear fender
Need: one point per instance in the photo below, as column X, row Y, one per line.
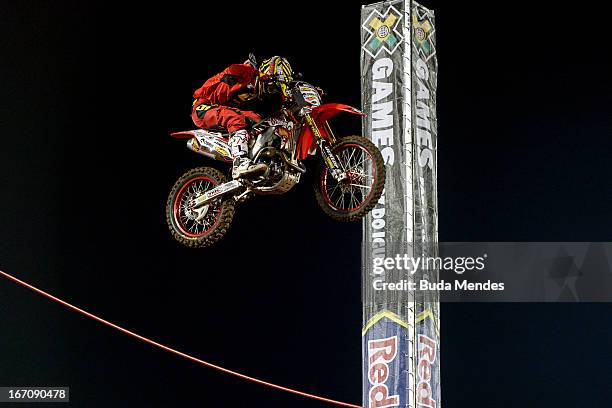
column 187, row 134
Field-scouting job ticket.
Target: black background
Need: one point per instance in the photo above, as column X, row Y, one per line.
column 90, row 92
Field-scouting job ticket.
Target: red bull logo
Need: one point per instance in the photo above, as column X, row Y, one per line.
column 381, row 354
column 427, row 357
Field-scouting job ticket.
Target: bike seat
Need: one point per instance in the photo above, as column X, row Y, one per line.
column 250, row 122
column 219, row 129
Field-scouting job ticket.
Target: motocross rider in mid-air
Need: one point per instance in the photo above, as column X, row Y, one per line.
column 348, row 171
column 222, row 100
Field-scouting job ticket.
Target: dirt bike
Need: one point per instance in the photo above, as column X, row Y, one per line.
column 349, row 181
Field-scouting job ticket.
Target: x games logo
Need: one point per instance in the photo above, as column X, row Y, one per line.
column 383, row 33
column 423, row 34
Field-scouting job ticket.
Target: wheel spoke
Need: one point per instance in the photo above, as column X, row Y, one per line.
column 361, row 186
column 335, row 189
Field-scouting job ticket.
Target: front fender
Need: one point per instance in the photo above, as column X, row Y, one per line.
column 320, row 115
column 328, row 110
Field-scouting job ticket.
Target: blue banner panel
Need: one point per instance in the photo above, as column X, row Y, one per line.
column 384, row 368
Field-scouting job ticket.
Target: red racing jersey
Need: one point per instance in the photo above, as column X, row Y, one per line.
column 229, row 87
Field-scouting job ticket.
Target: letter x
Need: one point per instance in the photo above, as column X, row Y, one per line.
column 383, row 31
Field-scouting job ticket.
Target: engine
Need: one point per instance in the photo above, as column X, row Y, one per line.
column 281, row 176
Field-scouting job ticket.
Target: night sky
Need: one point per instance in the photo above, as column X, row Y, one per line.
column 89, row 93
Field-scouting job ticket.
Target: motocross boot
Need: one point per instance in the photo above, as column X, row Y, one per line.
column 243, row 167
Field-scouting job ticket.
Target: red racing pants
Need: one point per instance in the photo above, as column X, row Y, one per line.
column 232, row 119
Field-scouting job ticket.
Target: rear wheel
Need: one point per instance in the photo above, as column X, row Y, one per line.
column 198, row 227
column 353, row 198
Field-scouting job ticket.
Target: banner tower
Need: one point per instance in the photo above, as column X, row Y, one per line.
column 401, row 354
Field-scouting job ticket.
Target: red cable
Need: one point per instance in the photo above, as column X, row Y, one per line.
column 171, row 350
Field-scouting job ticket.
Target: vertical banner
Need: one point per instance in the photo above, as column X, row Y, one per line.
column 400, row 327
column 388, row 356
column 425, row 219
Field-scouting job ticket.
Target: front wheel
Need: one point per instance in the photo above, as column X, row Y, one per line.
column 355, row 196
column 198, row 227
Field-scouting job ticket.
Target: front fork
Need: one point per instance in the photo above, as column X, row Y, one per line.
column 335, row 167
